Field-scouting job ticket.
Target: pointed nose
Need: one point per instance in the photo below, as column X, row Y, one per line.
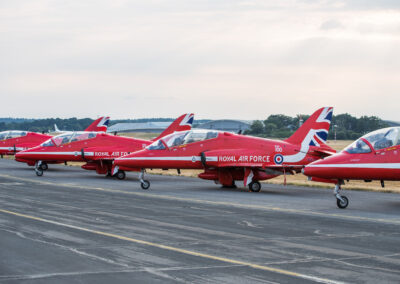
column 24, row 155
column 313, row 171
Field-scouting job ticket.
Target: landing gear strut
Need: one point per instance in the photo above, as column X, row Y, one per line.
column 255, row 186
column 145, row 184
column 38, row 168
column 341, row 201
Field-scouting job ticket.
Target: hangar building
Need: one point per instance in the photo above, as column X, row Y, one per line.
column 156, row 127
column 231, row 125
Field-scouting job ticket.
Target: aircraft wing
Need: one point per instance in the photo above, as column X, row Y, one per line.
column 323, row 151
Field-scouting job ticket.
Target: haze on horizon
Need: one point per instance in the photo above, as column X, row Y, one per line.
column 241, row 59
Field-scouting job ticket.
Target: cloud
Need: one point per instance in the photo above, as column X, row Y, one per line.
column 331, row 25
column 243, row 59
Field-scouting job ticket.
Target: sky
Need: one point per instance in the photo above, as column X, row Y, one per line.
column 242, row 59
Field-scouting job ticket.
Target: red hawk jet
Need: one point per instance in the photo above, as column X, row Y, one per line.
column 374, row 156
column 226, row 157
column 15, row 141
column 98, row 150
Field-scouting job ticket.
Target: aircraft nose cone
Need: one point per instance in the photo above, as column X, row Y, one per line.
column 308, row 170
column 319, row 170
column 23, row 155
column 20, row 154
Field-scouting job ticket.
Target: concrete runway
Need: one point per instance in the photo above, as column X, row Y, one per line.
column 74, row 226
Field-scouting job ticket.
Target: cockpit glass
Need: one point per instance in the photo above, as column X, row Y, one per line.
column 358, row 147
column 379, row 139
column 199, row 135
column 11, row 134
column 3, row 135
column 48, row 143
column 383, row 138
column 72, row 137
column 175, row 139
column 157, row 145
column 183, row 138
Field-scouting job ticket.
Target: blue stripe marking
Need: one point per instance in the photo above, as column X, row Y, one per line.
column 322, row 135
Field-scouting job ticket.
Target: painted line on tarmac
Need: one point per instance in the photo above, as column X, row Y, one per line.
column 176, row 249
column 208, row 202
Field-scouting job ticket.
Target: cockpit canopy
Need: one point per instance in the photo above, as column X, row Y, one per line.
column 379, row 139
column 12, row 134
column 69, row 137
column 183, row 138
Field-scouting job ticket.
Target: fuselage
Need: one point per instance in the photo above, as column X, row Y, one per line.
column 82, row 147
column 195, row 150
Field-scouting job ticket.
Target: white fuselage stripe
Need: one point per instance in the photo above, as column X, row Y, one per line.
column 187, row 158
column 11, row 148
column 75, row 153
column 359, row 166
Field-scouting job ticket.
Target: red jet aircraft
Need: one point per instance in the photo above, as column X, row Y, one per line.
column 375, row 156
column 14, row 141
column 226, row 157
column 98, row 150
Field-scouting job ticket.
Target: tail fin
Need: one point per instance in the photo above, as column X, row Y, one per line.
column 99, row 125
column 314, row 131
column 56, row 128
column 182, row 123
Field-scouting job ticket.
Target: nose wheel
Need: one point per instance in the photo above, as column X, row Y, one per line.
column 145, row 184
column 341, row 201
column 39, row 169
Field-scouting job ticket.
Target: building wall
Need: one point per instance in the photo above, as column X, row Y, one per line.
column 226, row 125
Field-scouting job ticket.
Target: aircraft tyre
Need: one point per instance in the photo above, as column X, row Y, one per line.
column 120, row 175
column 39, row 172
column 145, row 184
column 342, row 203
column 44, row 166
column 255, row 186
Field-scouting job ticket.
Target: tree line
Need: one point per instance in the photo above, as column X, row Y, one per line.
column 346, row 126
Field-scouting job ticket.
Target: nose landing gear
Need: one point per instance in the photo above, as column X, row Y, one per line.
column 145, row 184
column 38, row 168
column 341, row 201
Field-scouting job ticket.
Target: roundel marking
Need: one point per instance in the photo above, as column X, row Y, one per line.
column 278, row 159
column 194, row 159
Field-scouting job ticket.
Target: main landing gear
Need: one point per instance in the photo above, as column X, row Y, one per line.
column 255, row 186
column 145, row 184
column 40, row 167
column 120, row 175
column 341, row 201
